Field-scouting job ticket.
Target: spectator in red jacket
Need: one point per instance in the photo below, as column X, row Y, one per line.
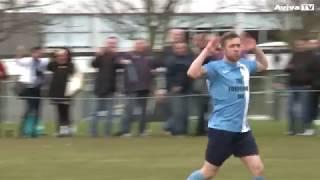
column 3, row 73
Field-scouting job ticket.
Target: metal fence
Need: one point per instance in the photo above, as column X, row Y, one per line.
column 267, row 101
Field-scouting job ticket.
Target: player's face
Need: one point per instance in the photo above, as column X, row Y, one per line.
column 232, row 49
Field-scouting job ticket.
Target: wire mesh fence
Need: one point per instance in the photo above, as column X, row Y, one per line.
column 268, row 101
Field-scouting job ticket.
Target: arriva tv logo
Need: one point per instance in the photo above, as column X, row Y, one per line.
column 302, row 7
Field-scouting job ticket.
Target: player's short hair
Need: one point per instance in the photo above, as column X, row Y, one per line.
column 227, row 36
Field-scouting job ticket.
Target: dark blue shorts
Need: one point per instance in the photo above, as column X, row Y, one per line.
column 222, row 144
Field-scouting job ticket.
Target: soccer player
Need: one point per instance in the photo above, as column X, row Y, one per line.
column 228, row 129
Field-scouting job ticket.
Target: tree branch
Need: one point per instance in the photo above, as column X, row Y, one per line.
column 127, row 5
column 12, row 21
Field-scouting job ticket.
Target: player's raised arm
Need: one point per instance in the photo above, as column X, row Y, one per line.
column 262, row 63
column 249, row 44
column 196, row 70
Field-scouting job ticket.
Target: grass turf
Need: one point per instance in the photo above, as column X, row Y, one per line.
column 159, row 157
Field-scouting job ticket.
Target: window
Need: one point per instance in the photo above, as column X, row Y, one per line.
column 71, row 31
column 121, row 23
column 80, row 39
column 55, row 40
column 57, row 24
column 80, row 24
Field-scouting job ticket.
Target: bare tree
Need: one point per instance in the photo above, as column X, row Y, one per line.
column 152, row 16
column 309, row 20
column 243, row 6
column 16, row 16
column 292, row 23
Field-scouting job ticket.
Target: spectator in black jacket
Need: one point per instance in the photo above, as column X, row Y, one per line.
column 62, row 68
column 300, row 80
column 314, row 107
column 178, row 84
column 175, row 36
column 106, row 63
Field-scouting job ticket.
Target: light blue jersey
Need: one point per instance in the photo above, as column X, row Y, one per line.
column 229, row 90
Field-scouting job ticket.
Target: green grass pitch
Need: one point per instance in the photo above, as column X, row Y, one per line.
column 158, row 157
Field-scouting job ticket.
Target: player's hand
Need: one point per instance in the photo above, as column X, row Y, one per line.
column 247, row 42
column 251, row 44
column 213, row 42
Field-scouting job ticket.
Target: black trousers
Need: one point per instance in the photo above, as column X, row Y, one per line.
column 32, row 108
column 203, row 103
column 63, row 114
column 314, row 107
